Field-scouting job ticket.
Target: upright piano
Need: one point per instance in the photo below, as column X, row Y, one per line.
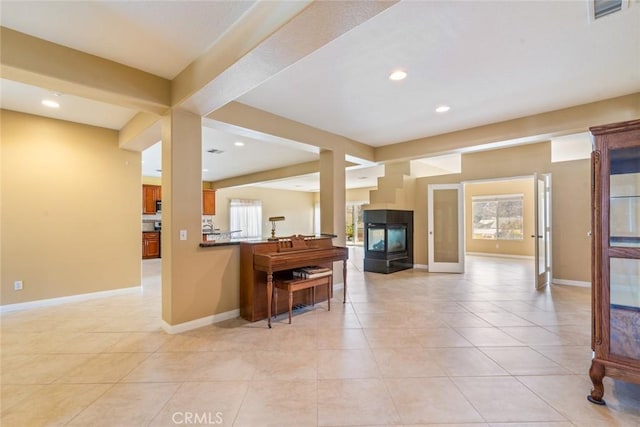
column 263, row 262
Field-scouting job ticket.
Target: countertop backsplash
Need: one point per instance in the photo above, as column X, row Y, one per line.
column 147, row 225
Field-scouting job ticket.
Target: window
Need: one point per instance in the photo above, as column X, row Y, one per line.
column 354, row 223
column 498, row 217
column 246, row 215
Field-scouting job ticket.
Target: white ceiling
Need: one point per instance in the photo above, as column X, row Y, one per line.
column 490, row 61
column 159, row 37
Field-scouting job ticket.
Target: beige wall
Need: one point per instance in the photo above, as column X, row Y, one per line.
column 353, row 195
column 295, row 206
column 152, row 180
column 570, row 204
column 70, row 209
column 571, row 220
column 358, row 195
column 524, row 247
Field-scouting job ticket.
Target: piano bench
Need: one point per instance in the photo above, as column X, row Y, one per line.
column 294, row 285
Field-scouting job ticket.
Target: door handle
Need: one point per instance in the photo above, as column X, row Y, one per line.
column 534, row 236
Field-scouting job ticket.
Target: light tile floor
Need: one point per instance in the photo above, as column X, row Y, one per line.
column 410, row 348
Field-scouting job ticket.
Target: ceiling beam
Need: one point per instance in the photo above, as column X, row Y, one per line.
column 270, row 37
column 247, row 117
column 42, row 63
column 141, row 132
column 270, row 175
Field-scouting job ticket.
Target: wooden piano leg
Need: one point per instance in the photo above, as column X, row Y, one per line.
column 344, row 281
column 269, row 297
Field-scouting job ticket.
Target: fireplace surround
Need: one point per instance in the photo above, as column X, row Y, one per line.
column 388, row 240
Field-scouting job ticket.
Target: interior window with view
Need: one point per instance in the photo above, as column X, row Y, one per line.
column 498, row 217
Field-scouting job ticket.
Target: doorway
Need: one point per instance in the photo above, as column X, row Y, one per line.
column 354, row 223
column 502, row 218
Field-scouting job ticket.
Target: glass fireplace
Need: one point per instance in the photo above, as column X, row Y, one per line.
column 388, row 240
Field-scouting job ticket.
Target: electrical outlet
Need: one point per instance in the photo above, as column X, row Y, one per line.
column 183, row 234
column 17, row 285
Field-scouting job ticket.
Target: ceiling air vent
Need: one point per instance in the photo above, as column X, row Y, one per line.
column 601, row 8
column 215, row 151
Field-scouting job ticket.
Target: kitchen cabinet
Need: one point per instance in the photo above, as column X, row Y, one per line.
column 150, row 195
column 615, row 253
column 150, row 244
column 208, row 202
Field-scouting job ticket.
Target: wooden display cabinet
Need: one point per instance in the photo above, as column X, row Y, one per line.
column 615, row 253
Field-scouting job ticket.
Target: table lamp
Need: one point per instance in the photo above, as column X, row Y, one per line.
column 273, row 220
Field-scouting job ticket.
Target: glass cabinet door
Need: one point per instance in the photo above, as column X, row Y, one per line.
column 625, row 307
column 624, row 262
column 624, row 198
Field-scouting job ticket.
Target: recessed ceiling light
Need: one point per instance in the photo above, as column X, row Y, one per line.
column 398, row 75
column 205, row 170
column 49, row 103
column 442, row 108
column 239, row 144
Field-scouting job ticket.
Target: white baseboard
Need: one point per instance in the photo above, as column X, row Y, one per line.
column 64, row 300
column 421, row 266
column 571, row 283
column 488, row 254
column 199, row 323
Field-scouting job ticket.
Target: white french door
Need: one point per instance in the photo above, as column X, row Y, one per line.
column 445, row 228
column 542, row 235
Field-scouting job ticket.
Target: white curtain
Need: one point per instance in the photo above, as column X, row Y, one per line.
column 246, row 215
column 316, row 219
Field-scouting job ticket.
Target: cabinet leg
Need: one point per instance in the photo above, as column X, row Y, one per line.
column 596, row 373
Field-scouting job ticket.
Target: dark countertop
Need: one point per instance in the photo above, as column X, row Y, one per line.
column 233, row 242
column 213, row 244
column 227, row 242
